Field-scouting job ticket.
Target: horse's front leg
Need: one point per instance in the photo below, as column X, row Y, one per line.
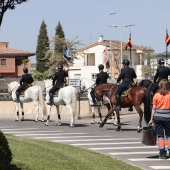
column 93, row 115
column 139, row 110
column 58, row 114
column 17, row 111
column 71, row 114
column 118, row 121
column 48, row 114
column 107, row 116
column 22, row 111
column 100, row 115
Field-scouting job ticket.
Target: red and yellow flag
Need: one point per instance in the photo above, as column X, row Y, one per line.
column 167, row 39
column 129, row 44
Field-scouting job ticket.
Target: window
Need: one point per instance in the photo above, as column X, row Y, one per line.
column 3, row 62
column 18, row 62
column 91, row 59
column 77, row 76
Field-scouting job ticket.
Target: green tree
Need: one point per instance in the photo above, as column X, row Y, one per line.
column 8, row 4
column 42, row 48
column 59, row 30
column 149, row 68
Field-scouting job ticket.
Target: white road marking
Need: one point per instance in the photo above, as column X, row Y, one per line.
column 118, row 143
column 160, row 167
column 145, row 159
column 67, row 137
column 94, row 140
column 40, row 134
column 21, row 129
column 131, row 147
column 133, row 153
column 8, row 132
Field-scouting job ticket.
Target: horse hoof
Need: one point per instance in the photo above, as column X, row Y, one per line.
column 118, row 129
column 42, row 120
column 22, row 119
column 16, row 120
column 139, row 130
column 115, row 123
column 59, row 124
column 93, row 122
column 36, row 120
column 46, row 124
column 101, row 124
column 78, row 117
column 72, row 126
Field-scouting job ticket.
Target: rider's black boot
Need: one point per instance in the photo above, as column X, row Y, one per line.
column 118, row 107
column 51, row 99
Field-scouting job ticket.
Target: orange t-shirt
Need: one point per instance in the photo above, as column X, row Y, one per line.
column 161, row 102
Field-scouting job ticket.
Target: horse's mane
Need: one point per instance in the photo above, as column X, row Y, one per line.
column 14, row 84
column 89, row 80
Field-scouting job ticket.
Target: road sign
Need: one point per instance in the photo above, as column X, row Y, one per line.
column 74, row 82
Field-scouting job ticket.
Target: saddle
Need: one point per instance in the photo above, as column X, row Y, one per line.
column 22, row 92
column 125, row 92
column 55, row 94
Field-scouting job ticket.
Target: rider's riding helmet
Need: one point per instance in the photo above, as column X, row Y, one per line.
column 60, row 66
column 25, row 70
column 161, row 61
column 126, row 62
column 101, row 67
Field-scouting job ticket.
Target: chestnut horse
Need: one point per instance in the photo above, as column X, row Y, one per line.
column 135, row 97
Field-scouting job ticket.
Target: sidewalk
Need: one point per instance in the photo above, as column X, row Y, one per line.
column 7, row 109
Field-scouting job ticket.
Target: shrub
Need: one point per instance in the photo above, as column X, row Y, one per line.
column 5, row 152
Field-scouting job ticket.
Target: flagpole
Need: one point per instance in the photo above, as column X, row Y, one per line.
column 166, row 48
column 130, row 53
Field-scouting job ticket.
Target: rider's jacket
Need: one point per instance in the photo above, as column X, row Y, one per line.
column 127, row 75
column 59, row 78
column 162, row 72
column 26, row 79
column 101, row 78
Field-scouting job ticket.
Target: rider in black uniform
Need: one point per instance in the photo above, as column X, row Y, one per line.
column 26, row 79
column 127, row 75
column 161, row 73
column 58, row 80
column 101, row 79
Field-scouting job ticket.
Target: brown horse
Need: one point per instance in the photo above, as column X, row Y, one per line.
column 135, row 97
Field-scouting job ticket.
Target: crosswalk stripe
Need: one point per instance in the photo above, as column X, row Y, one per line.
column 8, row 132
column 131, row 147
column 118, row 143
column 133, row 153
column 160, row 167
column 94, row 140
column 145, row 159
column 40, row 134
column 18, row 129
column 67, row 137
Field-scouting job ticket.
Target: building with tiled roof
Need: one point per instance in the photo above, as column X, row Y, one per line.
column 11, row 60
column 90, row 56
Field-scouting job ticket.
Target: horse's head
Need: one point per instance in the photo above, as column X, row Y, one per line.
column 12, row 85
column 86, row 84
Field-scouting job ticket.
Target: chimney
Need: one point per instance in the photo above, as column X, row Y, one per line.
column 100, row 38
column 4, row 44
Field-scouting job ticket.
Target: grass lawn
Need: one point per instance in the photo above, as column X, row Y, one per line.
column 29, row 154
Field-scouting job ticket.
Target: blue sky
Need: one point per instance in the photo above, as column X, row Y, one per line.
column 88, row 20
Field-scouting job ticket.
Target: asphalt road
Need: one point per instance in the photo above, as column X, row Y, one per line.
column 124, row 145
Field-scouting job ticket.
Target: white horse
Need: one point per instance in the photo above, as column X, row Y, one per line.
column 86, row 85
column 32, row 94
column 66, row 96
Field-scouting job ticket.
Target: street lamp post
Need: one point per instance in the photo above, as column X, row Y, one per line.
column 111, row 44
column 121, row 47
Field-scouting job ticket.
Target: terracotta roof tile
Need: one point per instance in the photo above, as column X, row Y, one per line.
column 6, row 51
column 115, row 44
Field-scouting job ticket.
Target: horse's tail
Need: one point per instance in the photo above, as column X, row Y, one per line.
column 147, row 106
column 74, row 100
column 42, row 102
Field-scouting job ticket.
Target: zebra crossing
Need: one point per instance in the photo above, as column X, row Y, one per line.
column 127, row 149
